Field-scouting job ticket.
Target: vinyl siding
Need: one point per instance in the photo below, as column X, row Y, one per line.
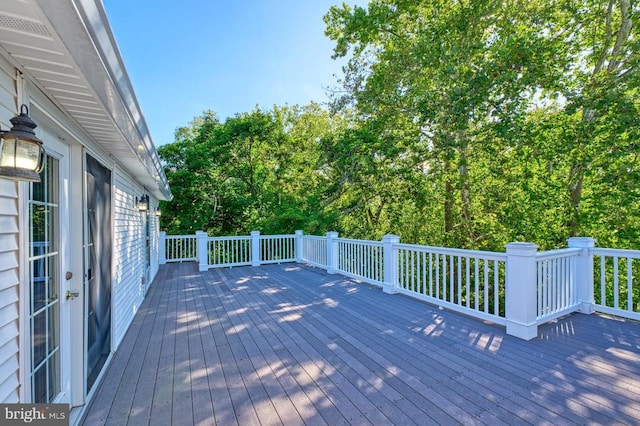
column 129, row 255
column 155, row 241
column 9, row 289
column 9, row 257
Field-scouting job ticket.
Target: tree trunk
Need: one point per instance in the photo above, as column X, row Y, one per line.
column 448, row 201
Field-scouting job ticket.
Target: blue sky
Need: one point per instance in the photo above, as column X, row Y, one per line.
column 185, row 57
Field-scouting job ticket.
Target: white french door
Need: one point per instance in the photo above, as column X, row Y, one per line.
column 47, row 308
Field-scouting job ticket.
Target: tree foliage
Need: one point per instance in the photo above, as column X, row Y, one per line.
column 524, row 114
column 467, row 124
column 256, row 170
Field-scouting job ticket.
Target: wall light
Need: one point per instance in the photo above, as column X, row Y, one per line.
column 158, row 212
column 143, row 203
column 21, row 152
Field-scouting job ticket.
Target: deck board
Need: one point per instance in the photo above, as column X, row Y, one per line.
column 289, row 344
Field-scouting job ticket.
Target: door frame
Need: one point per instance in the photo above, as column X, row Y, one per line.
column 58, row 151
column 62, row 138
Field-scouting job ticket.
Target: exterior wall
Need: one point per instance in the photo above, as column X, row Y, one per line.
column 9, row 290
column 155, row 242
column 9, row 256
column 129, row 278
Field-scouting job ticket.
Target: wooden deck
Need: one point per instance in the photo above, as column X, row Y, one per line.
column 288, row 344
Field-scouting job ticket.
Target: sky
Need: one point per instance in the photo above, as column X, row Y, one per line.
column 189, row 56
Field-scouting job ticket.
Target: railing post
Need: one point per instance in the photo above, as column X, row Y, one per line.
column 332, row 252
column 521, row 292
column 162, row 248
column 584, row 273
column 202, row 240
column 255, row 248
column 390, row 258
column 299, row 246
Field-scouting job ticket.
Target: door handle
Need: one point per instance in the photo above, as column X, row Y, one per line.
column 72, row 295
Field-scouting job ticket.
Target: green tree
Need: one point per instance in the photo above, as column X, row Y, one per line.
column 443, row 81
column 255, row 171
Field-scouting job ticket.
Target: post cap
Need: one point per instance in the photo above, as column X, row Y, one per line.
column 581, row 242
column 521, row 248
column 391, row 238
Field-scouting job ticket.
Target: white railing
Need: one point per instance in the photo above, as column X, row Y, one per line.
column 468, row 281
column 616, row 282
column 556, row 283
column 360, row 259
column 521, row 288
column 179, row 248
column 277, row 248
column 228, row 251
column 314, row 250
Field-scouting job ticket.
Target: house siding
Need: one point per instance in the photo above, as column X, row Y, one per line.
column 129, row 256
column 9, row 290
column 9, row 257
column 155, row 243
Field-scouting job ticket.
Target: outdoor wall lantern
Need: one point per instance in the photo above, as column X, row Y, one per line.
column 143, row 203
column 158, row 212
column 21, row 152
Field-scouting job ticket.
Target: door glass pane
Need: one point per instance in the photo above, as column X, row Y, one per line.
column 44, row 273
column 38, row 285
column 52, row 284
column 97, row 257
column 40, row 384
column 39, row 337
column 54, row 374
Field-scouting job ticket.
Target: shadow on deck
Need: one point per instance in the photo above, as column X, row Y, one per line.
column 289, row 344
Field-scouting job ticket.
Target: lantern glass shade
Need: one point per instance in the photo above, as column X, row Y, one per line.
column 21, row 152
column 158, row 212
column 143, row 203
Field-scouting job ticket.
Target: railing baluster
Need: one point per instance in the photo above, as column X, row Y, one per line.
column 554, row 286
column 476, row 284
column 545, row 287
column 459, row 301
column 413, row 279
column 603, row 295
column 565, row 280
column 402, row 281
column 468, row 282
column 540, row 292
column 629, row 284
column 485, row 292
column 615, row 283
column 432, row 270
column 496, row 287
column 437, row 275
column 451, row 279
